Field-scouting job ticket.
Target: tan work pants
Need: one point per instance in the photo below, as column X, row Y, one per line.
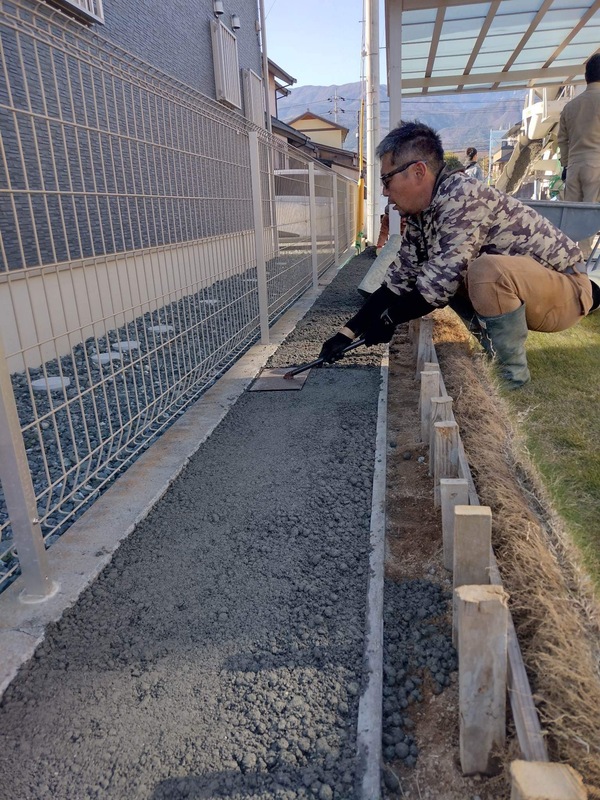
column 553, row 301
column 583, row 186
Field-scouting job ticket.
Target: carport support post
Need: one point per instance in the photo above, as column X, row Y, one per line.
column 336, row 227
column 20, row 496
column 259, row 237
column 482, row 673
column 430, row 387
column 441, row 411
column 538, row 780
column 472, row 547
column 453, row 492
column 313, row 225
column 445, row 455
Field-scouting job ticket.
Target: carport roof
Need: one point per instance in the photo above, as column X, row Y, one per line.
column 469, row 46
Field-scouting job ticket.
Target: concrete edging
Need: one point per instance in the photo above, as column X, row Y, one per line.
column 370, row 713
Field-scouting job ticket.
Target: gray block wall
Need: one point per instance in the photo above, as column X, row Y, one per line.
column 113, row 159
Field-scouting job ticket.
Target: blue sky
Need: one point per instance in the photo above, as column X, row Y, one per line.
column 318, row 42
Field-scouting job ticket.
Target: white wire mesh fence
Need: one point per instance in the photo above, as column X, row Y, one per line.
column 129, row 277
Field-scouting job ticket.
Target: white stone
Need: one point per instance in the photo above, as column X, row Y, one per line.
column 50, row 384
column 105, row 358
column 162, row 329
column 126, row 346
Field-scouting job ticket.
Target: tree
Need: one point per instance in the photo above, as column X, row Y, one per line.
column 453, row 161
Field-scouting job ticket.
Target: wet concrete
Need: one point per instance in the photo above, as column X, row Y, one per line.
column 220, row 653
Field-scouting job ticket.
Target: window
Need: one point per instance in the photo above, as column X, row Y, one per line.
column 227, row 70
column 254, row 98
column 89, row 9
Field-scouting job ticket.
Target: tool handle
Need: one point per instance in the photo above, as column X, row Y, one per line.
column 319, row 361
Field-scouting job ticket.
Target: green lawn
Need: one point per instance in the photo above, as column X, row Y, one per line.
column 559, row 412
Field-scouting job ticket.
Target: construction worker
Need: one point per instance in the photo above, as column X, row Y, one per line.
column 504, row 268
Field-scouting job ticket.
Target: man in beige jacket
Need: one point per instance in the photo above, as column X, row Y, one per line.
column 579, row 143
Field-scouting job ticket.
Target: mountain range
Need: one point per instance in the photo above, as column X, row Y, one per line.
column 466, row 120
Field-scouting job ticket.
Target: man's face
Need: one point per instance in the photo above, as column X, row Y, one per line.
column 409, row 190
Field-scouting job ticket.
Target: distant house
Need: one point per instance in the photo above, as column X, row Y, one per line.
column 327, row 139
column 321, row 130
column 279, row 81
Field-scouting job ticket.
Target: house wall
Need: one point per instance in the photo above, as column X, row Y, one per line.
column 330, row 137
column 174, row 36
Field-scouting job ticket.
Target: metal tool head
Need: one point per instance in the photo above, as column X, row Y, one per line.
column 277, row 380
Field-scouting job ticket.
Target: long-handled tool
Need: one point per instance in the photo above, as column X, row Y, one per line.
column 317, row 362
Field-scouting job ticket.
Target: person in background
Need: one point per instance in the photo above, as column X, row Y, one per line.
column 384, row 230
column 579, row 143
column 472, row 168
column 499, row 264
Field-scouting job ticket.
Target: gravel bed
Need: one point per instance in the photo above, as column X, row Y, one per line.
column 220, row 653
column 161, row 362
column 417, row 648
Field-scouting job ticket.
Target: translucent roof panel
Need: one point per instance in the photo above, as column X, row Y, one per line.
column 453, row 46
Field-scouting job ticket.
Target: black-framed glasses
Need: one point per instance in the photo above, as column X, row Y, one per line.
column 386, row 178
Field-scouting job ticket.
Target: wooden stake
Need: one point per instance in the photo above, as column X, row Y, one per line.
column 482, row 662
column 445, row 455
column 453, row 492
column 425, row 343
column 472, row 543
column 537, row 780
column 472, row 547
column 413, row 333
column 441, row 411
column 430, row 387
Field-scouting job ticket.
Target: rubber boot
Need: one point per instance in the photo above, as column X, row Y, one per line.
column 506, row 335
column 466, row 312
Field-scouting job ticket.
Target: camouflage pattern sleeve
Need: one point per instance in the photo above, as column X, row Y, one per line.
column 467, row 219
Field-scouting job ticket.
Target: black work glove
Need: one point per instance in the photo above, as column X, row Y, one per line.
column 381, row 330
column 333, row 349
column 563, row 176
column 377, row 319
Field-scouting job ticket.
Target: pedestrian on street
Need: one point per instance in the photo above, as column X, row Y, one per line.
column 579, row 143
column 472, row 168
column 499, row 264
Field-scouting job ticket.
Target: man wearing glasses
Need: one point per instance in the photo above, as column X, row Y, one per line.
column 499, row 264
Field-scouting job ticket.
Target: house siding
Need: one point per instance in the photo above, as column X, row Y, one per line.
column 160, row 171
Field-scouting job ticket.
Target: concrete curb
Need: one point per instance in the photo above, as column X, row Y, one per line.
column 370, row 705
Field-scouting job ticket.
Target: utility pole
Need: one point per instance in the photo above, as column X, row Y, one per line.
column 373, row 112
column 335, row 110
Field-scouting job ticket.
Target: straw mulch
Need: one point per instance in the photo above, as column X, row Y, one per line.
column 552, row 600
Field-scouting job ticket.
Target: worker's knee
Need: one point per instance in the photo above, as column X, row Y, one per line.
column 491, row 288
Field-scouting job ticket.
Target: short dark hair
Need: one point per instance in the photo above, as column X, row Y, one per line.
column 592, row 69
column 471, row 152
column 413, row 140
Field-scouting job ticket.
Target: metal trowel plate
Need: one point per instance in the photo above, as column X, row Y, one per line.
column 272, row 380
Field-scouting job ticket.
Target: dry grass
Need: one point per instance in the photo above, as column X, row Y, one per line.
column 552, row 599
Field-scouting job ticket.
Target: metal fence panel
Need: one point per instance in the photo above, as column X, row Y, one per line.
column 128, row 273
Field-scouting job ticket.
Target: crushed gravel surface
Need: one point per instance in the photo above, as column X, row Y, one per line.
column 220, row 653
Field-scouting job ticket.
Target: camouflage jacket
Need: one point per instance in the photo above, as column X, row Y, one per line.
column 466, row 219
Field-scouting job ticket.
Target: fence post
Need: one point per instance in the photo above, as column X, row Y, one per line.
column 313, row 225
column 453, row 492
column 538, row 780
column 20, row 496
column 261, row 267
column 441, row 411
column 482, row 673
column 445, row 455
column 430, row 387
column 336, row 238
